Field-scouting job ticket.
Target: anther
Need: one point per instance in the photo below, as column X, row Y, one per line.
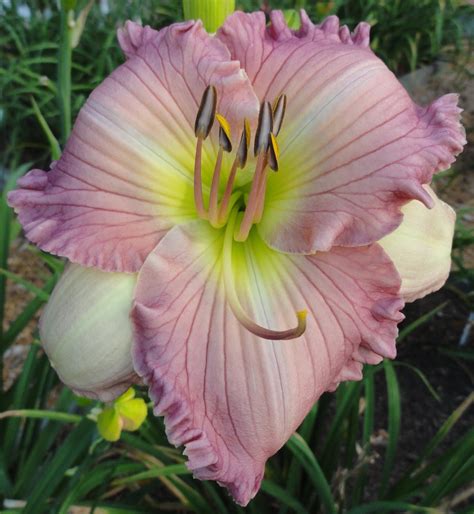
column 273, row 153
column 243, row 149
column 224, row 133
column 202, row 127
column 206, row 113
column 279, row 109
column 264, row 128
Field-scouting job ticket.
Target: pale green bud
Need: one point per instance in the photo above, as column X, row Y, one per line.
column 212, row 12
column 86, row 331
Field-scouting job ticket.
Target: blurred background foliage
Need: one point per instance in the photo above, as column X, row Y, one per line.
column 360, row 450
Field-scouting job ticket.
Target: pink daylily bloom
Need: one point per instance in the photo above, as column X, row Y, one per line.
column 261, row 281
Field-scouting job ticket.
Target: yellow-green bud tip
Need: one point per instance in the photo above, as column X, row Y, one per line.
column 212, row 12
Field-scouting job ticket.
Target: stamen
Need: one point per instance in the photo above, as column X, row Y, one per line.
column 206, row 113
column 225, row 145
column 243, row 150
column 239, row 162
column 224, row 133
column 279, row 109
column 213, row 198
column 273, row 153
column 234, row 302
column 247, row 220
column 262, row 189
column 272, row 157
column 262, row 141
column 264, row 128
column 202, row 127
column 198, row 201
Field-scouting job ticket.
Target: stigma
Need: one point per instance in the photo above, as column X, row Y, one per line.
column 266, row 152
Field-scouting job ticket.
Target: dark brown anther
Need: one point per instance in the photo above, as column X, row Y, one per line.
column 279, row 109
column 206, row 113
column 243, row 149
column 264, row 128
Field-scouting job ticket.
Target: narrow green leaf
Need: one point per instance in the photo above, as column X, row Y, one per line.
column 348, row 395
column 406, row 331
column 165, row 471
column 53, row 142
column 386, row 506
column 459, row 463
column 298, row 446
column 74, row 445
column 422, row 377
column 283, row 496
column 367, row 431
column 41, row 414
column 394, row 421
column 442, row 433
column 40, row 293
column 19, row 323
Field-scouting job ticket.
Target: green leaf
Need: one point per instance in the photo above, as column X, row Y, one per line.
column 53, row 472
column 394, row 421
column 298, row 446
column 381, row 506
column 422, row 377
column 283, row 496
column 173, row 469
column 40, row 293
column 409, row 479
column 53, row 142
column 406, row 331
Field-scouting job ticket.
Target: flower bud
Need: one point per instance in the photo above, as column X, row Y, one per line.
column 86, row 331
column 212, row 12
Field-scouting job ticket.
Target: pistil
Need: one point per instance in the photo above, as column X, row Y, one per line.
column 234, row 302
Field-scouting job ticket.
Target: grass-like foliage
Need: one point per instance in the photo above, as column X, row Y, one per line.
column 345, row 457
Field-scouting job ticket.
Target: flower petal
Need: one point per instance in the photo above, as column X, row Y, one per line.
column 354, row 147
column 126, row 175
column 420, row 248
column 86, row 331
column 230, row 397
column 109, row 424
column 132, row 413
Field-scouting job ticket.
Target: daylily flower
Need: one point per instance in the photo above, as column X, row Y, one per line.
column 247, row 178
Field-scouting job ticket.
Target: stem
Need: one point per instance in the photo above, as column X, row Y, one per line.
column 64, row 70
